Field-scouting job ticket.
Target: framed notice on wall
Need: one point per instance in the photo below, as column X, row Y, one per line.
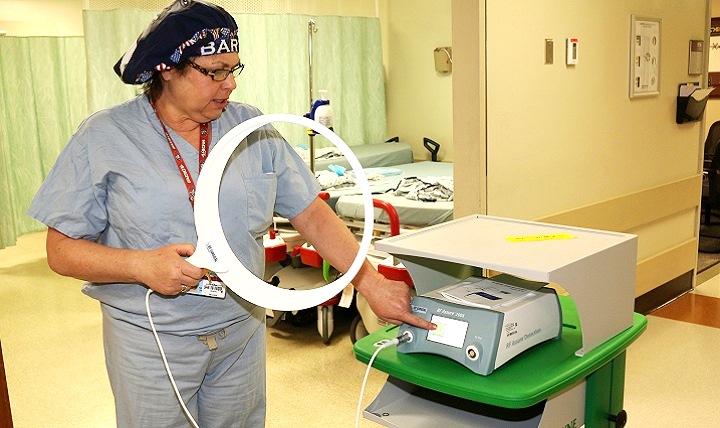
column 644, row 56
column 696, row 57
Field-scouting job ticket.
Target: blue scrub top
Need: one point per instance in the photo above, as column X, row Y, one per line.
column 117, row 183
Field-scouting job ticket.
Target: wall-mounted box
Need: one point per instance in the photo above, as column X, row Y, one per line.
column 691, row 107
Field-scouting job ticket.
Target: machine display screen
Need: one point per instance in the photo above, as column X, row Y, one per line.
column 448, row 332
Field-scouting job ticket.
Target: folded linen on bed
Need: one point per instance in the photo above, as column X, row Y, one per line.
column 427, row 189
column 320, row 153
column 330, row 180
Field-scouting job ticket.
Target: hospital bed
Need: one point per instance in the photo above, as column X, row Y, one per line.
column 392, row 211
column 348, row 203
column 392, row 215
column 392, row 152
column 412, row 213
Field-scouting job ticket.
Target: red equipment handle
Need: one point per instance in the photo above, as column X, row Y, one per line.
column 392, row 215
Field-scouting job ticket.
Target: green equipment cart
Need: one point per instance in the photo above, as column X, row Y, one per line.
column 576, row 380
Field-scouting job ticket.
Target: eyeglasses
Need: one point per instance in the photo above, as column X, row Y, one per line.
column 220, row 74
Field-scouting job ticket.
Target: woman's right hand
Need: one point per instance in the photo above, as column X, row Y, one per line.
column 165, row 270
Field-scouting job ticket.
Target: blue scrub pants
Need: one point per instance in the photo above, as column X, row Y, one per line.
column 224, row 387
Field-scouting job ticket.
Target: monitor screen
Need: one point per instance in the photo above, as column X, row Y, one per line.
column 449, row 331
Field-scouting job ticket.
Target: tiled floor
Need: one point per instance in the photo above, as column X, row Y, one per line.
column 672, row 378
column 51, row 339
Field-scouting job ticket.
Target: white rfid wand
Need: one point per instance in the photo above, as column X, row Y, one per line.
column 213, row 251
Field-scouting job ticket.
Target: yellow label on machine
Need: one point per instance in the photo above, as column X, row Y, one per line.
column 532, row 238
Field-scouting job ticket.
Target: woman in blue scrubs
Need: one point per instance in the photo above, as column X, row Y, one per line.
column 118, row 204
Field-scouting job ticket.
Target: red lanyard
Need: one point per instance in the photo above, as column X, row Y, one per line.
column 187, row 178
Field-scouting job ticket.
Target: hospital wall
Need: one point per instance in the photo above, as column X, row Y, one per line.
column 419, row 99
column 565, row 143
column 42, row 17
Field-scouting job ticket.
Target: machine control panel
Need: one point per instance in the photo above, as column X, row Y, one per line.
column 495, row 322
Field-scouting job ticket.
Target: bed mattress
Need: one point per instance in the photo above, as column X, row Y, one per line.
column 348, row 203
column 371, row 155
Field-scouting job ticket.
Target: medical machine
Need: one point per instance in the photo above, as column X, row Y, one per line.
column 482, row 323
column 569, row 380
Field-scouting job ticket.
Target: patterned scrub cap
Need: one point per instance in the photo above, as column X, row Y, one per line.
column 184, row 29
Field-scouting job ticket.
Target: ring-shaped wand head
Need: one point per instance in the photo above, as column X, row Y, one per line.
column 213, row 250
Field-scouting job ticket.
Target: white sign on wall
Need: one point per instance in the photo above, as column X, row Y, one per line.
column 645, row 56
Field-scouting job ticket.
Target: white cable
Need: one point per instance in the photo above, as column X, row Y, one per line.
column 167, row 366
column 407, row 336
column 367, row 372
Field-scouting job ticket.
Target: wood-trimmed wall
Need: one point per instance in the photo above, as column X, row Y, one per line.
column 631, row 212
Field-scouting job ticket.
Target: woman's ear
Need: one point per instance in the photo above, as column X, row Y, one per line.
column 168, row 75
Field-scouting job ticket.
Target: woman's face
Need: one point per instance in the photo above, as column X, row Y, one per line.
column 197, row 96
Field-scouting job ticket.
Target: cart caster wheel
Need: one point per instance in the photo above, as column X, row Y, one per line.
column 620, row 419
column 357, row 329
column 325, row 323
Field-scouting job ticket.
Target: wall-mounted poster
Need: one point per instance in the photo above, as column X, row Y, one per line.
column 645, row 56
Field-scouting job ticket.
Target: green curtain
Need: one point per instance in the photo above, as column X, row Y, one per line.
column 43, row 99
column 347, row 53
column 49, row 85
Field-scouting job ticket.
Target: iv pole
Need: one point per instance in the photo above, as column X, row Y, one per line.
column 312, row 28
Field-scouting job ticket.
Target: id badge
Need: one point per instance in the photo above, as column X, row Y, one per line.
column 210, row 286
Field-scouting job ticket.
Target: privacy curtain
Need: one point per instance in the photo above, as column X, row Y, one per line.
column 48, row 85
column 42, row 100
